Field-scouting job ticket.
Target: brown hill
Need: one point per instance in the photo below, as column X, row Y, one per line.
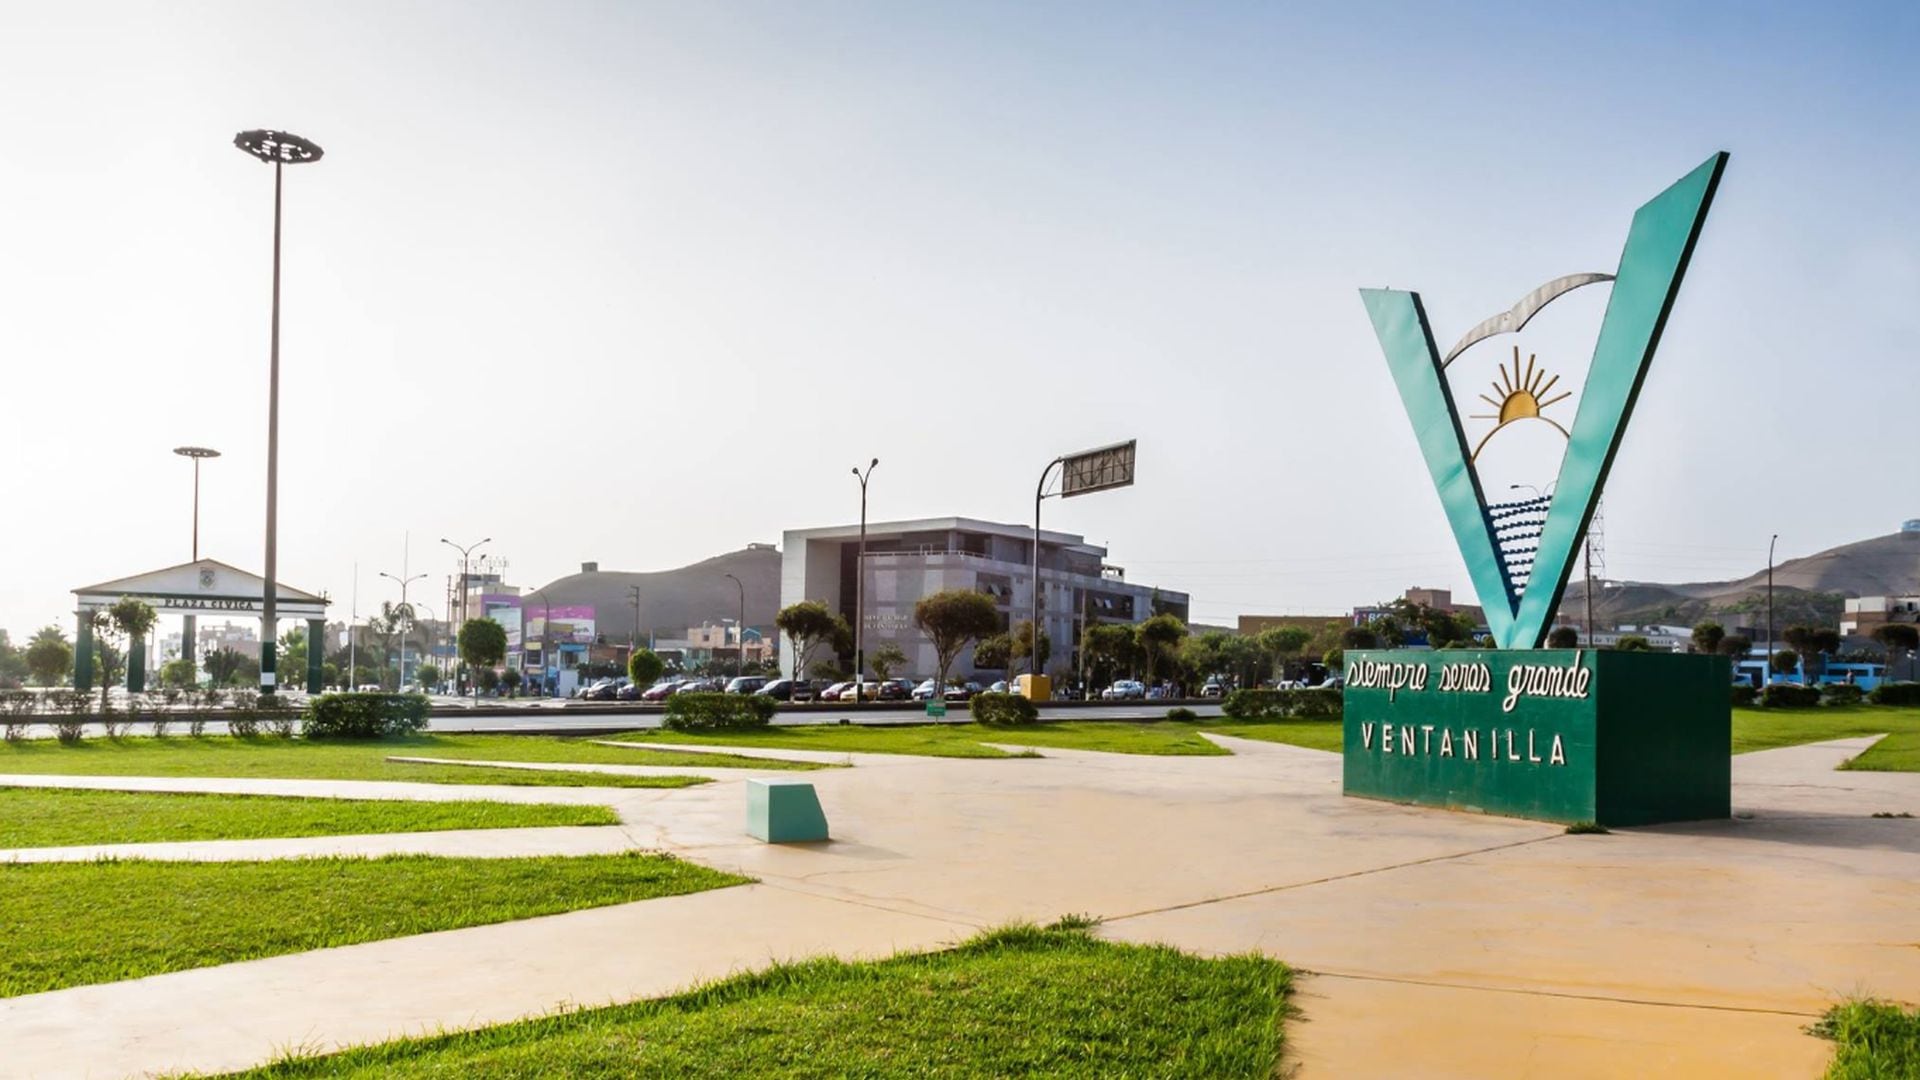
column 1808, row 589
column 672, row 600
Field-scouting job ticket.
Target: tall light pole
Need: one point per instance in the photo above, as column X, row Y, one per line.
column 1033, row 624
column 197, row 453
column 1766, row 673
column 859, row 593
column 464, row 553
column 404, row 582
column 278, row 149
column 633, row 593
column 743, row 625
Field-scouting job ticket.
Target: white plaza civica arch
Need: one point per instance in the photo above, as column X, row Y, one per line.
column 202, row 587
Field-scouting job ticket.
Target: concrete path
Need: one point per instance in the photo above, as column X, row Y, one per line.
column 1439, row 944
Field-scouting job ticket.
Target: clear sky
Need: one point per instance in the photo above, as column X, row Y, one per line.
column 640, row 283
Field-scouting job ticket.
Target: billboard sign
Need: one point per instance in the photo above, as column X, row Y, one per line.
column 1097, row 470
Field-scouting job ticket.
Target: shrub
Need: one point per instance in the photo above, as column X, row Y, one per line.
column 365, row 716
column 1896, row 693
column 1841, row 693
column 1275, row 704
column 1744, row 695
column 242, row 721
column 1789, row 696
column 16, row 712
column 1182, row 713
column 990, row 708
column 163, row 712
column 277, row 715
column 72, row 706
column 718, row 712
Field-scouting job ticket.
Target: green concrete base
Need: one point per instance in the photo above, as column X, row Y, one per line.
column 784, row 812
column 1618, row 738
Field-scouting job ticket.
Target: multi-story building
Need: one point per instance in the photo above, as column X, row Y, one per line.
column 907, row 560
column 1862, row 616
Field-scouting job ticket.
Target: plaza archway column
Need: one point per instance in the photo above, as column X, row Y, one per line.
column 136, row 664
column 83, row 650
column 316, row 651
column 187, row 627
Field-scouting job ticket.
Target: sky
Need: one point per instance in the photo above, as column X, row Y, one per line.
column 640, row 283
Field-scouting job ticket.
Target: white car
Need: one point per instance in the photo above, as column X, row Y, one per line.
column 1125, row 690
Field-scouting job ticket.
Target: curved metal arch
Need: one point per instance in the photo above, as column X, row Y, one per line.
column 1518, row 316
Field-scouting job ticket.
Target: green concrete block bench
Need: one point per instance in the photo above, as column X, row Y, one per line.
column 784, row 812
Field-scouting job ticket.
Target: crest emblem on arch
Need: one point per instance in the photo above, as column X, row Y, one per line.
column 1519, row 554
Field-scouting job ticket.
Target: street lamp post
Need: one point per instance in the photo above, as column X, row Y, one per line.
column 404, row 582
column 743, row 624
column 464, row 584
column 279, row 149
column 197, row 453
column 859, row 593
column 1766, row 673
column 1033, row 624
column 633, row 643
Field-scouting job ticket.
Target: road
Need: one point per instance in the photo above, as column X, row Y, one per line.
column 555, row 717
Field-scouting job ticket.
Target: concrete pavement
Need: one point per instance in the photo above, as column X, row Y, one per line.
column 1437, row 944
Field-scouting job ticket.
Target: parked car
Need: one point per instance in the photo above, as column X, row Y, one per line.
column 746, row 684
column 1214, row 688
column 1124, row 690
column 833, row 692
column 895, row 690
column 922, row 692
column 662, row 690
column 630, row 690
column 962, row 692
column 601, row 690
column 777, row 689
column 1159, row 693
column 1000, row 686
column 806, row 690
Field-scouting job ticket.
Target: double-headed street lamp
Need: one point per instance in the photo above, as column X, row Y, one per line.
column 464, row 584
column 404, row 582
column 197, row 453
column 859, row 593
column 278, row 149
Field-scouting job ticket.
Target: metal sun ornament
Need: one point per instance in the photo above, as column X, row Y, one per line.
column 1523, row 396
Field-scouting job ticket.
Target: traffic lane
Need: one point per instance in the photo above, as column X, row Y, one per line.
column 589, row 718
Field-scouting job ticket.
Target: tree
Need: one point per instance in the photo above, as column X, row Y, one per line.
column 1563, row 637
column 807, row 624
column 1285, row 643
column 885, row 659
column 393, row 623
column 1110, row 648
column 952, row 619
column 995, row 652
column 49, row 656
column 1903, row 636
column 429, row 675
column 645, row 667
column 1736, row 646
column 510, row 679
column 1785, row 662
column 222, row 665
column 178, row 673
column 1020, row 646
column 130, row 619
column 1440, row 626
column 1359, row 637
column 1333, row 660
column 1633, row 643
column 13, row 664
column 291, row 657
column 1707, row 636
column 483, row 644
column 1813, row 643
column 1158, row 636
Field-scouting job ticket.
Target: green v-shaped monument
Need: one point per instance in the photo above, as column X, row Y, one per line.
column 1572, row 735
column 1520, row 583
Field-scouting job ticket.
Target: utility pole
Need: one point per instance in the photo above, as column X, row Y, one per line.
column 1766, row 672
column 743, row 623
column 633, row 591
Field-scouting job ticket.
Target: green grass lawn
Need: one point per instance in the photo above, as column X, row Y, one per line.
column 1765, row 729
column 968, row 740
column 1898, row 752
column 1877, row 1041
column 1021, row 1001
column 69, row 924
column 222, row 755
column 55, row 817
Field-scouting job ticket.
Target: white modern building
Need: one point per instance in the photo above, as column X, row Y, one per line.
column 907, row 560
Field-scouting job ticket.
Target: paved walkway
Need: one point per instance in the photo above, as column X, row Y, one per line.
column 1439, row 944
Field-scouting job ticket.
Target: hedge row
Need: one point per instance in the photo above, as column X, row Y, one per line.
column 1896, row 693
column 1275, row 704
column 718, row 712
column 991, row 708
column 1789, row 696
column 365, row 716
